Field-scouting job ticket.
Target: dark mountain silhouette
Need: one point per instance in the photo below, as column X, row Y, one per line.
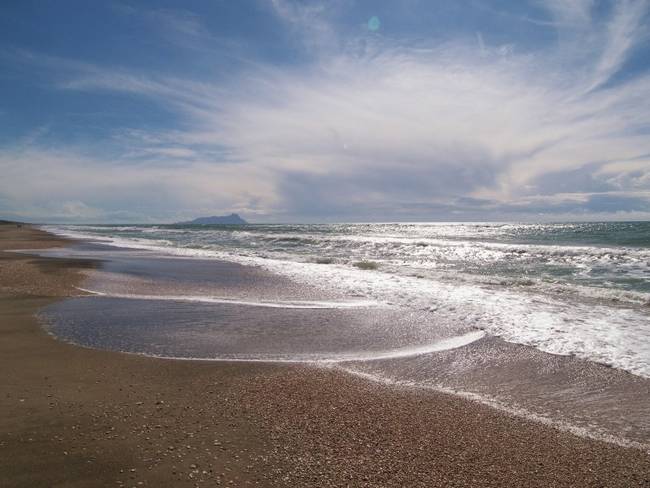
column 232, row 219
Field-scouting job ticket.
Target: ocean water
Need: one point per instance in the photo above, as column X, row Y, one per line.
column 574, row 289
column 522, row 317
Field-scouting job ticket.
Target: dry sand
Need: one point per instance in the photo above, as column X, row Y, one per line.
column 75, row 417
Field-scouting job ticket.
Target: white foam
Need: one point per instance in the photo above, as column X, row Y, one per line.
column 347, row 357
column 298, row 304
column 443, row 345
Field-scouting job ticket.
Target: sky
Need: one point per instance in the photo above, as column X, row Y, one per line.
column 325, row 111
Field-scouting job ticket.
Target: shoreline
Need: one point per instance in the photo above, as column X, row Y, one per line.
column 339, row 366
column 258, row 424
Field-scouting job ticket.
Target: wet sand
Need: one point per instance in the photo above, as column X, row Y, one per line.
column 71, row 416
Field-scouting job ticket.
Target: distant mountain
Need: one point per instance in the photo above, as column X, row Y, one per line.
column 232, row 219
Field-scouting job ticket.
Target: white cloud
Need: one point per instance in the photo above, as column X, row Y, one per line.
column 569, row 13
column 398, row 124
column 623, row 31
column 309, row 21
column 68, row 185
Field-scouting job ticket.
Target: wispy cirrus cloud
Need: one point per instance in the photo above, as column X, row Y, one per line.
column 309, row 22
column 376, row 130
column 569, row 13
column 623, row 32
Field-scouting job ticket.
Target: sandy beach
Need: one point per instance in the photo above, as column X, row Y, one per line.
column 77, row 417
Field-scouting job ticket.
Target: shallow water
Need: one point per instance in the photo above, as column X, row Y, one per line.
column 148, row 303
column 578, row 289
column 184, row 329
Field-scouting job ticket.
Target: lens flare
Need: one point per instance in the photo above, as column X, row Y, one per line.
column 374, row 23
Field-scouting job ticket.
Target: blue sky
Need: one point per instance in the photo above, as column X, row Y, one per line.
column 342, row 110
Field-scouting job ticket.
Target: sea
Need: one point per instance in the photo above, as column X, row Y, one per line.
column 546, row 320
